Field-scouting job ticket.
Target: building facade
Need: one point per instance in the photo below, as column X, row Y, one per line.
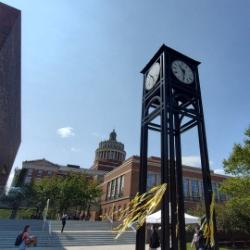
column 119, row 178
column 10, row 88
column 109, row 155
column 36, row 170
column 121, row 184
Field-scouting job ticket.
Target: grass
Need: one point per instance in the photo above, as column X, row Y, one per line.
column 5, row 213
column 21, row 213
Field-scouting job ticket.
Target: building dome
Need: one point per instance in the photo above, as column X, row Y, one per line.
column 110, row 149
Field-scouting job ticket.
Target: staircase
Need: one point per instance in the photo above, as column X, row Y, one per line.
column 76, row 233
column 9, row 229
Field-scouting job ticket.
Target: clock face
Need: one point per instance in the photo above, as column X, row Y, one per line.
column 182, row 72
column 152, row 76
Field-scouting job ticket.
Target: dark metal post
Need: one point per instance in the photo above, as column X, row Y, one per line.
column 164, row 169
column 164, row 179
column 169, row 105
column 207, row 185
column 140, row 234
column 179, row 179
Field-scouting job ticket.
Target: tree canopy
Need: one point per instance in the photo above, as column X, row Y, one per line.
column 238, row 163
column 237, row 208
column 65, row 192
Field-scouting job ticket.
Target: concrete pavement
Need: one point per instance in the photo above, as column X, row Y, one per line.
column 107, row 247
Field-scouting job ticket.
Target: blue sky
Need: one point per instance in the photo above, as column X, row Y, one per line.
column 80, row 71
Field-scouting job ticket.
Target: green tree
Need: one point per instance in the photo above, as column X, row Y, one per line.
column 238, row 163
column 47, row 188
column 13, row 198
column 65, row 192
column 237, row 208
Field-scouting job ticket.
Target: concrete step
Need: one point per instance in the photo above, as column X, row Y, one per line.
column 77, row 233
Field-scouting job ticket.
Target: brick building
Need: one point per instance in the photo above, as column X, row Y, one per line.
column 121, row 184
column 119, row 178
column 10, row 88
column 109, row 155
column 37, row 169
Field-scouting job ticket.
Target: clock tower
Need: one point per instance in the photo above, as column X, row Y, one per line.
column 171, row 105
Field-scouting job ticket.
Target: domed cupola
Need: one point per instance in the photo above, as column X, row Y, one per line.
column 111, row 149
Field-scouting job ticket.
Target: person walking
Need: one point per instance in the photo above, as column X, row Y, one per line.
column 198, row 239
column 27, row 239
column 64, row 217
column 154, row 241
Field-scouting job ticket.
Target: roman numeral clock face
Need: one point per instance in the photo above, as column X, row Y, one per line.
column 182, row 72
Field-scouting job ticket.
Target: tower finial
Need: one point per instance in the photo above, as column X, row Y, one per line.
column 112, row 135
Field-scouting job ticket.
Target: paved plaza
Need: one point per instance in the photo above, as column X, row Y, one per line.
column 107, row 247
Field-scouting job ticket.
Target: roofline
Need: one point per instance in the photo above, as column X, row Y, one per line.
column 137, row 159
column 11, row 7
column 160, row 51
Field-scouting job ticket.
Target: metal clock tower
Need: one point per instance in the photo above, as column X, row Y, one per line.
column 171, row 105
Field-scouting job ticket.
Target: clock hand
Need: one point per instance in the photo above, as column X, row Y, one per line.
column 152, row 77
column 183, row 72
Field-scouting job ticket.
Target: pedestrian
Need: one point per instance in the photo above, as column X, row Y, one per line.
column 64, row 217
column 27, row 240
column 198, row 239
column 154, row 241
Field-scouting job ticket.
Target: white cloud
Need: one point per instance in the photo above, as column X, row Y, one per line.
column 97, row 135
column 65, row 132
column 219, row 171
column 191, row 160
column 75, row 149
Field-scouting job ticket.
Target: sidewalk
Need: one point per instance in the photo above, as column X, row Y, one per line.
column 106, row 247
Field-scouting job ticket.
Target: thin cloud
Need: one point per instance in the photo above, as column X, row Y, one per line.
column 75, row 149
column 65, row 132
column 97, row 135
column 219, row 171
column 193, row 161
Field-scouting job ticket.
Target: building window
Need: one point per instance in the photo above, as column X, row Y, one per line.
column 121, row 186
column 186, row 187
column 158, row 179
column 215, row 190
column 195, row 189
column 113, row 188
column 151, row 180
column 49, row 172
column 201, row 189
column 108, row 191
column 30, row 171
column 118, row 187
column 27, row 179
column 223, row 197
column 39, row 173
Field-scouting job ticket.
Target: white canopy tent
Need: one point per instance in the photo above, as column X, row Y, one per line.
column 156, row 218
